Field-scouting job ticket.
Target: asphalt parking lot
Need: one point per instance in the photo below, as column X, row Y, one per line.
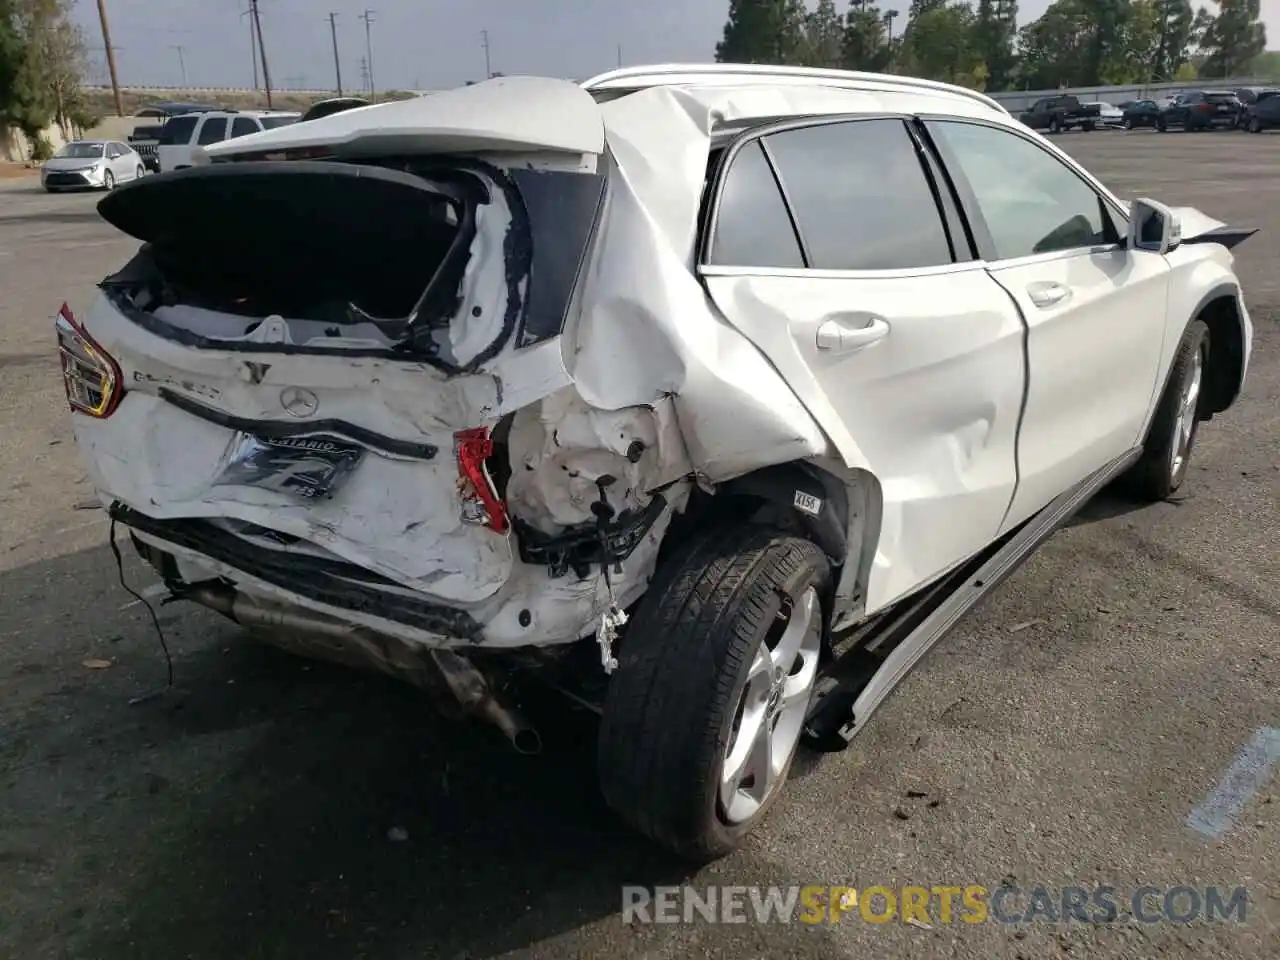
column 267, row 807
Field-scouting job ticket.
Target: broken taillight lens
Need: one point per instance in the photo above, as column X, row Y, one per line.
column 93, row 381
column 480, row 501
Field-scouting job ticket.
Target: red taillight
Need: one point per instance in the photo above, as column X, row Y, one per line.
column 480, row 501
column 1204, row 106
column 93, row 381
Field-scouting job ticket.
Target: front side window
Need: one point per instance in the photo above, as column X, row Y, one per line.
column 213, row 130
column 1031, row 201
column 860, row 196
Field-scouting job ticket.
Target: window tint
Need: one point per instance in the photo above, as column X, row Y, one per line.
column 243, row 126
column 270, row 123
column 178, row 130
column 752, row 228
column 1031, row 201
column 213, row 130
column 860, row 197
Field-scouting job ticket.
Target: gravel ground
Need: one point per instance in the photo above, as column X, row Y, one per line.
column 268, row 807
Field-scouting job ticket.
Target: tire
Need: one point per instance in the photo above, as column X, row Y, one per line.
column 1128, row 123
column 140, row 172
column 1162, row 126
column 1054, row 125
column 108, row 180
column 1166, row 454
column 1255, row 126
column 1089, row 127
column 694, row 666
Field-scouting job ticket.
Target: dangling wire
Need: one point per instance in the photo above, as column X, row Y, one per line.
column 155, row 620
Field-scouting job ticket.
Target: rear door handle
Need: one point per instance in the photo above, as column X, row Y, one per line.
column 851, row 331
column 1048, row 293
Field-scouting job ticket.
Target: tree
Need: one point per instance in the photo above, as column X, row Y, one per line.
column 940, row 44
column 824, row 36
column 994, row 31
column 764, row 31
column 1087, row 43
column 42, row 63
column 1231, row 40
column 1174, row 19
column 865, row 38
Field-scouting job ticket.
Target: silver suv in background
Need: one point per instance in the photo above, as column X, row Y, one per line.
column 182, row 134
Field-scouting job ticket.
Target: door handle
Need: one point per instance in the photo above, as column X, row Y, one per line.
column 1048, row 293
column 851, row 332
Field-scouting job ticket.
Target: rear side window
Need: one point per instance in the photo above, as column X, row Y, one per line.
column 213, row 130
column 752, row 227
column 178, row 130
column 243, row 126
column 270, row 123
column 860, row 196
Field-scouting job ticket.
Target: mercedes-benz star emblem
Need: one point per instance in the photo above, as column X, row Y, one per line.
column 298, row 402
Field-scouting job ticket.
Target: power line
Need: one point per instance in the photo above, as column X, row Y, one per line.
column 369, row 20
column 337, row 63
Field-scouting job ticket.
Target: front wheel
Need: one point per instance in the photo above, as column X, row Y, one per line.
column 1128, row 123
column 1054, row 126
column 140, row 172
column 715, row 676
column 1255, row 126
column 1089, row 127
column 1166, row 454
column 108, row 180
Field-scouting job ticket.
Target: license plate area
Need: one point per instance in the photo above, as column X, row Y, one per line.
column 312, row 468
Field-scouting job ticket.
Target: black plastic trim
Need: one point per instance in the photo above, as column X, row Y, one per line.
column 322, row 581
column 579, row 548
column 277, row 429
column 779, row 484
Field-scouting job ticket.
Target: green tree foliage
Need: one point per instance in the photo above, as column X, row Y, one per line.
column 1174, row 19
column 764, row 31
column 1231, row 40
column 941, row 43
column 41, row 64
column 866, row 37
column 995, row 30
column 824, row 36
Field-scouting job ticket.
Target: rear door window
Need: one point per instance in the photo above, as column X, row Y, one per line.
column 860, row 196
column 178, row 130
column 752, row 227
column 270, row 123
column 213, row 130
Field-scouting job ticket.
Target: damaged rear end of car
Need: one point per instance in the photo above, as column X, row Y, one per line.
column 328, row 398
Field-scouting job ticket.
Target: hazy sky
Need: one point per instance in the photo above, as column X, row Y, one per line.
column 417, row 44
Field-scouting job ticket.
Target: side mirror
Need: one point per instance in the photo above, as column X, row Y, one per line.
column 1153, row 227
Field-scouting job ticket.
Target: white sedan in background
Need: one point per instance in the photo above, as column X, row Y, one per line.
column 98, row 164
column 1109, row 115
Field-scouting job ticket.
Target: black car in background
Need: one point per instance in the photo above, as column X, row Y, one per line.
column 1248, row 107
column 1264, row 114
column 1061, row 112
column 1200, row 110
column 1139, row 113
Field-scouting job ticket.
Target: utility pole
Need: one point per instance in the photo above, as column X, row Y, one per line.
column 111, row 56
column 368, row 19
column 337, row 64
column 182, row 64
column 262, row 48
column 484, row 42
column 619, row 54
column 253, row 47
column 364, row 73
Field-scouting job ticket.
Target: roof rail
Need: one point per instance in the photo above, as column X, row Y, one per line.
column 665, row 74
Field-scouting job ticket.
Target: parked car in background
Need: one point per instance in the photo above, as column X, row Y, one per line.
column 327, row 108
column 1108, row 115
column 1249, row 109
column 1264, row 114
column 1200, row 110
column 1139, row 113
column 182, row 135
column 96, row 164
column 146, row 137
column 717, row 410
column 1061, row 112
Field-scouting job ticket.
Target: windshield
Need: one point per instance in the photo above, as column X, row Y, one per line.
column 270, row 123
column 80, row 151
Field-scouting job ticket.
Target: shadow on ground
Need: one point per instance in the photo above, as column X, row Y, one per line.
column 261, row 807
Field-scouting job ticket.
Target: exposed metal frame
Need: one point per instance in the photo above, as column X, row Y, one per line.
column 728, row 74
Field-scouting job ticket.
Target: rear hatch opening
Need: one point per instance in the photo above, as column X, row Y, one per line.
column 317, row 257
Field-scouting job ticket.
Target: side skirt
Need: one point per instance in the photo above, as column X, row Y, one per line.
column 858, row 681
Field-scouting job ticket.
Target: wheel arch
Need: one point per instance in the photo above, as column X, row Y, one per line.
column 1220, row 311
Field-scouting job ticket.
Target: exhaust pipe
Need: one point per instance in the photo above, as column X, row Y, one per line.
column 358, row 646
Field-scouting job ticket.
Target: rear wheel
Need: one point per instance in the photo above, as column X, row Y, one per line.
column 715, row 676
column 1166, row 454
column 1089, row 127
column 1162, row 126
column 1054, row 126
